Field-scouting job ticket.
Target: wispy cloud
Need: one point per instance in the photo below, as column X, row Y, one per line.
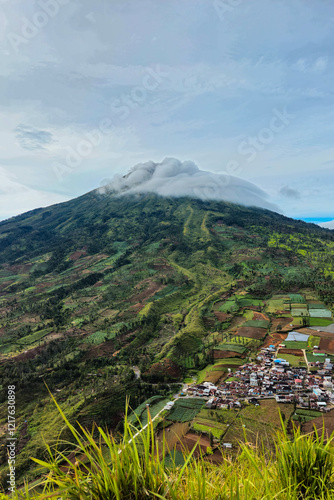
column 289, row 192
column 32, row 138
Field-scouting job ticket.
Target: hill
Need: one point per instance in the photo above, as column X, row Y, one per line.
column 93, row 287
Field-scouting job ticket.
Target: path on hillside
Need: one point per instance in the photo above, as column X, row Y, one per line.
column 307, row 365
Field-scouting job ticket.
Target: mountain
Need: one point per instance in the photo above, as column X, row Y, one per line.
column 98, row 285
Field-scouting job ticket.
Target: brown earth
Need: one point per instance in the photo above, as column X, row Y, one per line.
column 275, row 322
column 20, row 268
column 220, row 354
column 274, row 339
column 137, row 307
column 5, row 284
column 237, row 321
column 215, row 376
column 315, row 333
column 327, row 420
column 260, row 316
column 29, row 354
column 295, row 352
column 152, row 287
column 98, row 284
column 252, row 332
column 191, row 439
column 76, row 255
column 165, row 368
column 327, row 345
column 222, row 316
column 107, row 350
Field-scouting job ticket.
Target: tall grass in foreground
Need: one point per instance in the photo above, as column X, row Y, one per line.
column 302, row 468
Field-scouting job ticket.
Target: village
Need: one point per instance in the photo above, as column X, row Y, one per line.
column 271, row 377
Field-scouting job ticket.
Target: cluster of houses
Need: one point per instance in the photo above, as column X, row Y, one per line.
column 271, row 377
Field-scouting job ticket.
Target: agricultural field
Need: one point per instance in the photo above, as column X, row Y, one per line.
column 257, row 423
column 212, row 373
column 252, row 332
column 326, row 344
column 299, row 312
column 297, row 298
column 234, row 347
column 302, row 415
column 293, row 360
column 230, row 306
column 294, row 344
column 320, row 313
column 320, row 322
column 208, row 421
column 185, row 410
column 156, row 404
column 313, row 359
column 275, row 306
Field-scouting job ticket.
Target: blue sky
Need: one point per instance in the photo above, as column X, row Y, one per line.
column 91, row 88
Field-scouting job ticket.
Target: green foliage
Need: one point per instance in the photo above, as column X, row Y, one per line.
column 306, row 462
column 136, row 467
column 185, row 410
column 257, row 323
column 232, row 347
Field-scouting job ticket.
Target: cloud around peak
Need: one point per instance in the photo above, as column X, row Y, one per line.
column 171, row 177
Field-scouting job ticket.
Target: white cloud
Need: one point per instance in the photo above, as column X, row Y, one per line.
column 174, row 178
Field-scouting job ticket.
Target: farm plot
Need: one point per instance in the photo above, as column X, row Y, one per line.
column 257, row 323
column 250, row 302
column 274, row 305
column 297, row 305
column 326, row 345
column 295, row 345
column 313, row 359
column 320, row 322
column 185, row 410
column 212, row 373
column 252, row 333
column 293, row 360
column 313, row 341
column 305, row 415
column 320, row 313
column 297, row 298
column 233, row 339
column 238, row 348
column 324, row 421
column 317, row 305
column 226, row 307
column 299, row 312
column 98, row 337
column 141, row 409
column 204, row 423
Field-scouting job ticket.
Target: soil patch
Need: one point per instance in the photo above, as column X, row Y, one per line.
column 295, row 352
column 278, row 324
column 327, row 420
column 327, row 345
column 76, row 255
column 274, row 339
column 152, row 287
column 251, row 332
column 222, row 316
column 218, row 354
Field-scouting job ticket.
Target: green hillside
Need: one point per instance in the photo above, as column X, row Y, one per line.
column 92, row 287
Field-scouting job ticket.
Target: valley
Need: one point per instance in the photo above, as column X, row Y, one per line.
column 100, row 289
